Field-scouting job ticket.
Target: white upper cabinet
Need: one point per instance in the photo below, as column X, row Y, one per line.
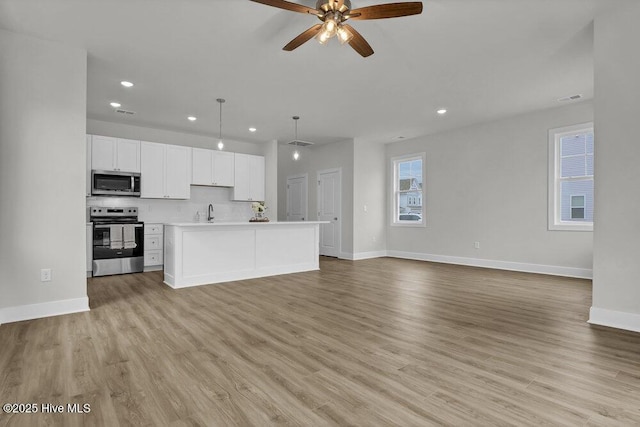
column 166, row 171
column 212, row 167
column 88, row 165
column 249, row 177
column 152, row 176
column 223, row 168
column 115, row 154
column 178, row 172
column 201, row 173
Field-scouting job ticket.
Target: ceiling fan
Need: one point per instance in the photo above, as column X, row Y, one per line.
column 334, row 14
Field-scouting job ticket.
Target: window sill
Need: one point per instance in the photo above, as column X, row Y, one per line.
column 410, row 224
column 571, row 227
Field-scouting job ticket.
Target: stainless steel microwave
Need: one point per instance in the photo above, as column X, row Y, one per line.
column 115, row 183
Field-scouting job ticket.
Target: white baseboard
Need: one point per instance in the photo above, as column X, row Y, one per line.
column 364, row 255
column 615, row 319
column 582, row 273
column 45, row 309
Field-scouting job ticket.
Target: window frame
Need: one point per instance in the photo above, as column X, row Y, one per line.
column 555, row 180
column 395, row 192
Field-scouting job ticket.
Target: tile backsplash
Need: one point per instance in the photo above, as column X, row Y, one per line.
column 165, row 211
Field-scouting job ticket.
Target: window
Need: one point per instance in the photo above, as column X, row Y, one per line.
column 408, row 172
column 577, row 207
column 571, row 178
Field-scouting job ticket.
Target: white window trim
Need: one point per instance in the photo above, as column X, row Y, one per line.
column 394, row 200
column 554, row 222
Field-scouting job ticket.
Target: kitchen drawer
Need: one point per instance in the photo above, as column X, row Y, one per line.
column 153, row 258
column 153, row 229
column 152, row 243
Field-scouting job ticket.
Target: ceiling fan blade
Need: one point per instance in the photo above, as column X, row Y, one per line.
column 303, row 37
column 358, row 43
column 388, row 10
column 286, row 5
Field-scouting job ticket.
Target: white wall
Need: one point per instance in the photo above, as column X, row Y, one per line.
column 312, row 160
column 42, row 177
column 184, row 210
column 370, row 200
column 616, row 267
column 488, row 183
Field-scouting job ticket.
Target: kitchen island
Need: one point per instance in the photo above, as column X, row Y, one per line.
column 203, row 253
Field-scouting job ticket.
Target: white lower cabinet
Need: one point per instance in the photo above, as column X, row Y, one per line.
column 153, row 242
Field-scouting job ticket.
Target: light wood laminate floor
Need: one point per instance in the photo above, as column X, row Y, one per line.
column 373, row 342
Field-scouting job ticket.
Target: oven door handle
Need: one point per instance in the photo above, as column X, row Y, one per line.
column 102, row 227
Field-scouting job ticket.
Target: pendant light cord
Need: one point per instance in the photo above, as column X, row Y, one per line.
column 295, row 120
column 220, row 101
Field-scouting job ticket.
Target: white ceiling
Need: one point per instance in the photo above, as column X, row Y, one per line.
column 481, row 59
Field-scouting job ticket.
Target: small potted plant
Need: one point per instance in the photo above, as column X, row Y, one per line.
column 259, row 208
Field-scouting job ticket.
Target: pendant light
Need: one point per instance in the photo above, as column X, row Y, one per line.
column 220, row 142
column 296, row 153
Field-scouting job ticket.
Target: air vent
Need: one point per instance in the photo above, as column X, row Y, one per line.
column 570, row 98
column 131, row 113
column 299, row 143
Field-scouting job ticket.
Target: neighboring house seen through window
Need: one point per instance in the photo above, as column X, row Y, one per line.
column 408, row 172
column 571, row 178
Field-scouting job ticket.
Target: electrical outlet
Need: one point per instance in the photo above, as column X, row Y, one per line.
column 365, row 208
column 476, row 245
column 45, row 275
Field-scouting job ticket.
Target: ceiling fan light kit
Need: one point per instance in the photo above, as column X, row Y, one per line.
column 334, row 14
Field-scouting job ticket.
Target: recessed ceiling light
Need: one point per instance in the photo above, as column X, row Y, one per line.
column 115, row 105
column 126, row 83
column 442, row 111
column 192, row 119
column 252, row 129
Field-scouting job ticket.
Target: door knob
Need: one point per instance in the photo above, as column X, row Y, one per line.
column 335, row 219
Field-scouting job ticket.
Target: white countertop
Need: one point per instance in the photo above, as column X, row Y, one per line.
column 230, row 223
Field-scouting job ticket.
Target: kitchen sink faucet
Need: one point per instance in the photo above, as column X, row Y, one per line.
column 210, row 216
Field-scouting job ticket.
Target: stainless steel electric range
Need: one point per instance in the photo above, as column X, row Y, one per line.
column 118, row 241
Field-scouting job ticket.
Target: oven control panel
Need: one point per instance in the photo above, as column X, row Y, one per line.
column 101, row 212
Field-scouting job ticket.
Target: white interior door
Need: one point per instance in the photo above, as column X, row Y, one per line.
column 329, row 209
column 297, row 197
